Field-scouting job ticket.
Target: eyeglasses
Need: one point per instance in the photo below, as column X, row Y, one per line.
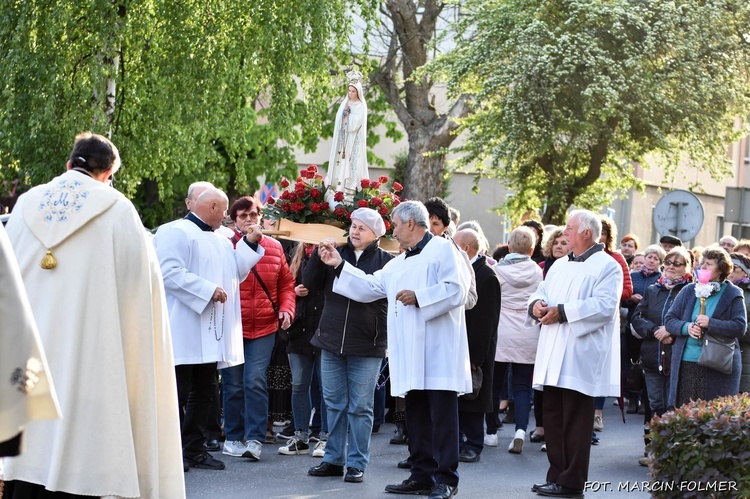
column 243, row 216
column 674, row 264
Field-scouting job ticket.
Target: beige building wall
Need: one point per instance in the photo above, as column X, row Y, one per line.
column 635, row 213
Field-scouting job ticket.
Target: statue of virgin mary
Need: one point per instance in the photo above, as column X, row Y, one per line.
column 347, row 165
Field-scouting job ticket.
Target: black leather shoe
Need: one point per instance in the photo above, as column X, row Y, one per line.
column 443, row 491
column 399, row 435
column 633, row 406
column 354, row 475
column 212, row 445
column 203, row 460
column 536, row 486
column 556, row 490
column 405, row 464
column 468, row 456
column 410, row 487
column 536, row 438
column 326, row 469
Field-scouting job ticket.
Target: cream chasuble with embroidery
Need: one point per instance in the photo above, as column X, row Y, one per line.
column 103, row 322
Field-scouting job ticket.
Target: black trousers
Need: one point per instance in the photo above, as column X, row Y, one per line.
column 569, row 417
column 471, row 426
column 213, row 427
column 196, row 389
column 432, row 422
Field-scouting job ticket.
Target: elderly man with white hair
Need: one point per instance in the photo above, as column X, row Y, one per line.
column 728, row 243
column 578, row 356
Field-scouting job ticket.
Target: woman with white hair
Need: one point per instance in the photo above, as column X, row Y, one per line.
column 352, row 338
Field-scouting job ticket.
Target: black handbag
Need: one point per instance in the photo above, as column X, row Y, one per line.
column 476, row 384
column 717, row 353
column 635, row 380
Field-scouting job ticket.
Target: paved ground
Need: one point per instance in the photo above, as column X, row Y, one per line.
column 497, row 475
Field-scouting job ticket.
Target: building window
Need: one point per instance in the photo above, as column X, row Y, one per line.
column 719, row 227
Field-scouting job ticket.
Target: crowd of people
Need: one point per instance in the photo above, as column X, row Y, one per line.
column 163, row 347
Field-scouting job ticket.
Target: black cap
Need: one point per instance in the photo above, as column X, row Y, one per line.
column 674, row 240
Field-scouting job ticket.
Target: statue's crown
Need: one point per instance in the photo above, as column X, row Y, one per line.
column 354, row 77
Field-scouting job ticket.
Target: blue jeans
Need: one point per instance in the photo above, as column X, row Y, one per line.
column 521, row 390
column 303, row 367
column 657, row 387
column 246, row 392
column 349, row 394
column 380, row 395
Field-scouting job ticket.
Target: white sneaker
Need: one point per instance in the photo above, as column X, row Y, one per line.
column 490, row 440
column 544, row 447
column 516, row 445
column 234, row 448
column 253, row 450
column 320, row 449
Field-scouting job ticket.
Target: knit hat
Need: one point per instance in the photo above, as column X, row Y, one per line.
column 741, row 262
column 371, row 219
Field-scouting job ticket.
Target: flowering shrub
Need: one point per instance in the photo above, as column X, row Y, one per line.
column 304, row 202
column 703, row 443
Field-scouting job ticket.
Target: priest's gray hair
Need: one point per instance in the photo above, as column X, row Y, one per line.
column 412, row 210
column 588, row 220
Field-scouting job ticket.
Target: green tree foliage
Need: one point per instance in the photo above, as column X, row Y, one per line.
column 568, row 92
column 192, row 90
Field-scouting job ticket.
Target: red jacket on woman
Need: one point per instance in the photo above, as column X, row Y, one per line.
column 258, row 316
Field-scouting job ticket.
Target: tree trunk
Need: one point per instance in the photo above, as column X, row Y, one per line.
column 554, row 214
column 424, row 174
column 411, row 33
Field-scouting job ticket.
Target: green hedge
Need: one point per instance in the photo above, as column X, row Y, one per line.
column 702, row 449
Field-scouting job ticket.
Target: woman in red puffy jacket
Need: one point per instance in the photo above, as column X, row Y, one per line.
column 267, row 299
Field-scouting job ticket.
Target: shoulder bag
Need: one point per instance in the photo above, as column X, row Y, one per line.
column 717, row 353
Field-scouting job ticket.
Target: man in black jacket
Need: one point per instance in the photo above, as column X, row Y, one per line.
column 481, row 328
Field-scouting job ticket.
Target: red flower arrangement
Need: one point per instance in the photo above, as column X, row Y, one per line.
column 304, row 202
